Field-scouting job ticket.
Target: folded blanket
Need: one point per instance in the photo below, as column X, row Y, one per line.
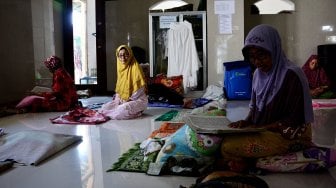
column 32, row 147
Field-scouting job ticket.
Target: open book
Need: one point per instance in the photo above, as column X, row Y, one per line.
column 214, row 125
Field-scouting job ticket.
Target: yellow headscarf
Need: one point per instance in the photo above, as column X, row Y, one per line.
column 130, row 76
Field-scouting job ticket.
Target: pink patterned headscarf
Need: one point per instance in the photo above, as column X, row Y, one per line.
column 53, row 63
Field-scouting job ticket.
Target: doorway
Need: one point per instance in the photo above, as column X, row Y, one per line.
column 84, row 44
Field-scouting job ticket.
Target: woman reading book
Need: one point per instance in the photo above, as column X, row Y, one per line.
column 62, row 97
column 280, row 103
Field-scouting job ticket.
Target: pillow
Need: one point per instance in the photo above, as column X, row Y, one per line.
column 188, row 153
column 175, row 82
column 186, row 142
column 309, row 160
column 28, row 101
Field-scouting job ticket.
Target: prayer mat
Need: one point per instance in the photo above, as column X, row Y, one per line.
column 167, row 116
column 133, row 160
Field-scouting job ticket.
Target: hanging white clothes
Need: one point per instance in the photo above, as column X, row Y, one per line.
column 182, row 54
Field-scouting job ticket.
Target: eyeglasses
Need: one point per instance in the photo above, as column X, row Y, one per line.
column 123, row 55
column 259, row 55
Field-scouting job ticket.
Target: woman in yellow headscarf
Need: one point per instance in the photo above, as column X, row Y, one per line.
column 130, row 99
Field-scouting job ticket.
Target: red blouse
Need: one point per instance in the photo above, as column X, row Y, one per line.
column 64, row 95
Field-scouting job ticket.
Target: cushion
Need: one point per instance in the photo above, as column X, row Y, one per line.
column 28, row 101
column 186, row 142
column 187, row 153
column 308, row 160
column 175, row 82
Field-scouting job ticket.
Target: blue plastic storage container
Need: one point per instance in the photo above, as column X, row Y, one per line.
column 237, row 80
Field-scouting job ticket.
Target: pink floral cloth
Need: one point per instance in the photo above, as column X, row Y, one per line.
column 80, row 115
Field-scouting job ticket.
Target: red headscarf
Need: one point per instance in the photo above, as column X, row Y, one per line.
column 316, row 77
column 53, row 63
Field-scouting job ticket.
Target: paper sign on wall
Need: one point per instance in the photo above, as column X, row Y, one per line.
column 225, row 23
column 165, row 21
column 225, row 7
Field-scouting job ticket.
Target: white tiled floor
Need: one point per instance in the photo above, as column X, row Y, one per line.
column 85, row 164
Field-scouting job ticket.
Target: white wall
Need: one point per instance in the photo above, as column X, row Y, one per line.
column 16, row 49
column 301, row 31
column 31, row 31
column 47, row 36
column 223, row 47
column 310, row 16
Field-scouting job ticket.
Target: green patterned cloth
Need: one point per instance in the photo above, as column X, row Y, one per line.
column 133, row 160
column 167, row 116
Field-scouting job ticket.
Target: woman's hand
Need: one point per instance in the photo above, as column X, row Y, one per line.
column 317, row 91
column 240, row 124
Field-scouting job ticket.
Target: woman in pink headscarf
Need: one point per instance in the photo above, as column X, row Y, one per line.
column 317, row 78
column 63, row 95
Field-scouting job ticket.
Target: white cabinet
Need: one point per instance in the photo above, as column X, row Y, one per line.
column 158, row 28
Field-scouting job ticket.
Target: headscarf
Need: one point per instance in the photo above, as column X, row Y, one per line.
column 316, row 77
column 265, row 86
column 130, row 77
column 53, row 63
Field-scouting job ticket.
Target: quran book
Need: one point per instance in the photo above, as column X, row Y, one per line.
column 214, row 125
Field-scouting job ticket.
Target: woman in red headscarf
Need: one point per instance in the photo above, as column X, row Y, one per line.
column 63, row 95
column 317, row 78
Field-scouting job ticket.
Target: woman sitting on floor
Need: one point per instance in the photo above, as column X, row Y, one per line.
column 319, row 83
column 62, row 97
column 280, row 103
column 130, row 99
